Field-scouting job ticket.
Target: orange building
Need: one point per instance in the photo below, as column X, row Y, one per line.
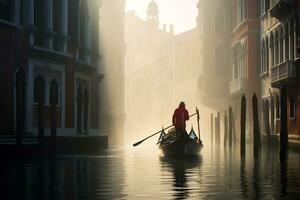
column 245, row 56
column 49, row 59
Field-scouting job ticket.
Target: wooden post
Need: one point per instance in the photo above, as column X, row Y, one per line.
column 225, row 129
column 256, row 138
column 272, row 107
column 243, row 126
column 233, row 129
column 198, row 123
column 212, row 129
column 216, row 130
column 268, row 130
column 230, row 126
column 283, row 124
column 219, row 127
column 272, row 115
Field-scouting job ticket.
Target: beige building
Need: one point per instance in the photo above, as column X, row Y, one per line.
column 161, row 70
column 149, row 64
column 215, row 57
column 112, row 45
column 186, row 68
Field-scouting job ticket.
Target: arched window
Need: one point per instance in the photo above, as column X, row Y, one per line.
column 57, row 21
column 39, row 21
column 39, row 89
column 6, row 10
column 267, row 53
column 291, row 35
column 272, row 49
column 286, row 40
column 281, row 43
column 84, row 17
column 267, row 5
column 276, row 49
column 262, row 58
column 54, row 93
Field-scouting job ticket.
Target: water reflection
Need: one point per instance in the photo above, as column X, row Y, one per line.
column 178, row 168
column 143, row 174
column 243, row 179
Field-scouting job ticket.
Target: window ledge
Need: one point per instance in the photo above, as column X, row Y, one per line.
column 264, row 74
column 239, row 25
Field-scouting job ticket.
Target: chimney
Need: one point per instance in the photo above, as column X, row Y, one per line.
column 164, row 27
column 171, row 29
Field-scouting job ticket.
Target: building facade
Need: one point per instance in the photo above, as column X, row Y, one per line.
column 245, row 56
column 49, row 57
column 149, row 71
column 111, row 90
column 186, row 68
column 279, row 63
column 214, row 24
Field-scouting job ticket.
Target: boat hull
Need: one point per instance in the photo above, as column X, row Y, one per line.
column 180, row 147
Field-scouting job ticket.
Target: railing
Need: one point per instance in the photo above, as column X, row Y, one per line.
column 278, row 8
column 284, row 71
column 237, row 86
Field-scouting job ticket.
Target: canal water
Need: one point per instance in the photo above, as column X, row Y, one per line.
column 140, row 173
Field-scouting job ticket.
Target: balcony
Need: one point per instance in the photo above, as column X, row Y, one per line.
column 280, row 9
column 284, row 72
column 237, row 86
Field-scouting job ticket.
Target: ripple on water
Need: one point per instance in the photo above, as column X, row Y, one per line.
column 143, row 174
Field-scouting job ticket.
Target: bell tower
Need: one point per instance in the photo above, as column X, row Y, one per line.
column 152, row 13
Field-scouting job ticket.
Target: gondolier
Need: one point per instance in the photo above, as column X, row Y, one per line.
column 177, row 143
column 180, row 116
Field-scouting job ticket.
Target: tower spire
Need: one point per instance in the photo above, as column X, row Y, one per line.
column 152, row 13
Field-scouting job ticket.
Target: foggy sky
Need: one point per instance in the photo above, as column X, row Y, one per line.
column 181, row 13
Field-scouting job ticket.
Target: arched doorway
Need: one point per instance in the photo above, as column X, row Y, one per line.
column 86, row 110
column 20, row 88
column 39, row 98
column 79, row 109
column 53, row 103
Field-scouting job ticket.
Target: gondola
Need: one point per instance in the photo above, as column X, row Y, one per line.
column 179, row 144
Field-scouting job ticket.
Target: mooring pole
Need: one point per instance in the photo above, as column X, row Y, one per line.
column 283, row 124
column 233, row 129
column 256, row 132
column 219, row 127
column 212, row 129
column 243, row 126
column 230, row 126
column 225, row 129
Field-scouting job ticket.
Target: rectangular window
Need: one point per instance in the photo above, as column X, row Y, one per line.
column 5, row 8
column 292, row 106
column 267, row 5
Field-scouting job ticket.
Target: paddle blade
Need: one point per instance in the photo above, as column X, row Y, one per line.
column 138, row 143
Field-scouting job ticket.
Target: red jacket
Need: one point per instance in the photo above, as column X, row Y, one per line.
column 180, row 116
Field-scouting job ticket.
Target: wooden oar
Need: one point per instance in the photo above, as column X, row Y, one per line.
column 198, row 119
column 138, row 143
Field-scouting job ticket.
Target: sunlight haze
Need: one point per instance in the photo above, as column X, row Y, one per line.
column 181, row 13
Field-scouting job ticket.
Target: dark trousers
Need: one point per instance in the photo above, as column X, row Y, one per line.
column 182, row 133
